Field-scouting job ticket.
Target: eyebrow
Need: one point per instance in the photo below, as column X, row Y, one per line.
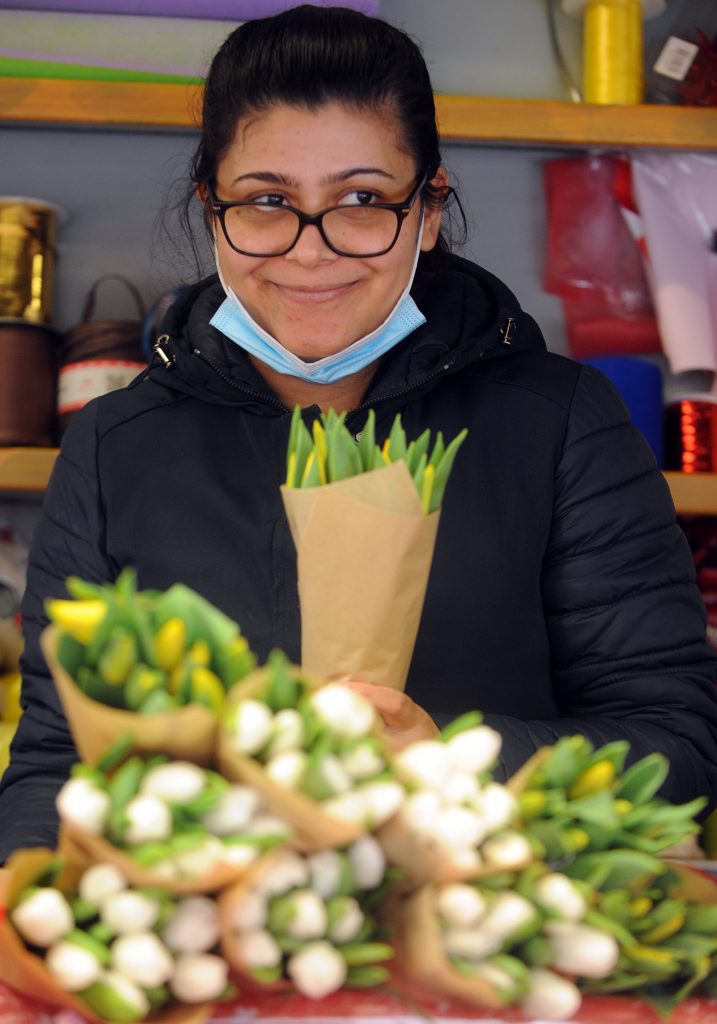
column 272, row 178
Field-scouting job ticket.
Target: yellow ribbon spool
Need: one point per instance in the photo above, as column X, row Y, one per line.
column 612, row 54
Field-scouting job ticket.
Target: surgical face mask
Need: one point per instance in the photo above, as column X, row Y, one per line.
column 234, row 321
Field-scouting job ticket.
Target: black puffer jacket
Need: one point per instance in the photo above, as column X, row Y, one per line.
column 562, row 594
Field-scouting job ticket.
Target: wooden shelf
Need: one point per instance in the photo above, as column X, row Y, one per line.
column 694, row 493
column 28, row 470
column 461, row 118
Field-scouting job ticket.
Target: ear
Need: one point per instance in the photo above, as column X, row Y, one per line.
column 432, row 214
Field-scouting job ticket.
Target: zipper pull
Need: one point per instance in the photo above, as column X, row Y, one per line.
column 166, row 361
column 507, row 330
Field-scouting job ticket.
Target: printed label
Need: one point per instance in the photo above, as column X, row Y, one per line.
column 80, row 382
column 676, row 58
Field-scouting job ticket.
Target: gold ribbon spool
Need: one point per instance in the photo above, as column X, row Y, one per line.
column 27, row 257
column 612, row 55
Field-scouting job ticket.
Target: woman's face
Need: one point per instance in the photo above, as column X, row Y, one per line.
column 312, row 300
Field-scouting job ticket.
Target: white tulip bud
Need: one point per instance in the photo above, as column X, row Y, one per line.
column 458, row 827
column 581, row 949
column 471, row 943
column 83, row 803
column 73, row 967
column 250, row 725
column 466, row 859
column 506, row 850
column 166, row 870
column 233, row 811
column 507, row 913
column 460, row 906
column 193, row 926
column 142, row 958
column 240, row 855
column 498, row 978
column 550, row 997
column 308, row 918
column 367, row 861
column 349, row 807
column 474, row 750
column 249, row 913
column 43, row 917
column 129, row 911
column 420, row 812
column 382, row 800
column 363, row 761
column 287, row 769
column 317, row 970
column 287, row 870
column 426, row 763
column 177, row 782
column 343, row 711
column 287, row 732
column 258, row 950
column 461, row 788
column 199, row 978
column 149, row 820
column 99, row 882
column 558, row 893
column 497, row 806
column 348, row 923
column 201, row 859
column 327, row 869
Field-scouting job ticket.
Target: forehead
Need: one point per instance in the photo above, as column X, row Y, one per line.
column 321, row 139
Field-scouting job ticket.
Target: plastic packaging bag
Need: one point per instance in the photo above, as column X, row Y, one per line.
column 593, row 262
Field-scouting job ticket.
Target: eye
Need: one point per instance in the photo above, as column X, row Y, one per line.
column 359, row 197
column 269, row 199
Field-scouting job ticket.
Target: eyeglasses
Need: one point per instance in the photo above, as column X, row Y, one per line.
column 260, row 229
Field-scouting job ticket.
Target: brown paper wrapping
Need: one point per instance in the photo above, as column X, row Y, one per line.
column 229, row 944
column 364, row 551
column 187, row 734
column 74, row 840
column 314, row 828
column 25, row 971
column 424, row 861
column 419, row 951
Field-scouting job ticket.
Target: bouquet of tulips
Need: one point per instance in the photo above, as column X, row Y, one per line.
column 166, row 822
column 315, row 752
column 83, row 938
column 153, row 665
column 308, row 921
column 364, row 520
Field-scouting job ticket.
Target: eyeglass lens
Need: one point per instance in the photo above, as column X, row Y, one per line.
column 263, row 229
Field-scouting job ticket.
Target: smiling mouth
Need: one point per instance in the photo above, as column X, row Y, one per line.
column 313, row 293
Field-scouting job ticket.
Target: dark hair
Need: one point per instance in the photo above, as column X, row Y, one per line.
column 309, row 56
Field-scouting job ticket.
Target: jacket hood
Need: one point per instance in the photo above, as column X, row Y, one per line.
column 470, row 315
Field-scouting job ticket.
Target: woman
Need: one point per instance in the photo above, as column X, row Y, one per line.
column 562, row 597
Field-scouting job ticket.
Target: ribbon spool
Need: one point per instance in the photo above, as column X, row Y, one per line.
column 612, row 47
column 691, row 434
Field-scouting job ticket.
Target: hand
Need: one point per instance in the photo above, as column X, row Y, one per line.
column 404, row 721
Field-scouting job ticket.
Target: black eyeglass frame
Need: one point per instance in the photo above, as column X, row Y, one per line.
column 218, row 207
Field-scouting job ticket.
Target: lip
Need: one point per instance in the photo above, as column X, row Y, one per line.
column 313, row 293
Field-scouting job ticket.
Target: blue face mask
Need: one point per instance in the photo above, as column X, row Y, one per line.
column 234, row 321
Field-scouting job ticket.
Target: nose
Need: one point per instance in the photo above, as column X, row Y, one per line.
column 311, row 249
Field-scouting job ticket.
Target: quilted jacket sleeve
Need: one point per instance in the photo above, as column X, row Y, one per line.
column 624, row 616
column 68, row 540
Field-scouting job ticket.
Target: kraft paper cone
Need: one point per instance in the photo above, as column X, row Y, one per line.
column 26, row 973
column 424, row 861
column 187, row 734
column 74, row 839
column 364, row 550
column 314, row 828
column 419, row 951
column 231, row 952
